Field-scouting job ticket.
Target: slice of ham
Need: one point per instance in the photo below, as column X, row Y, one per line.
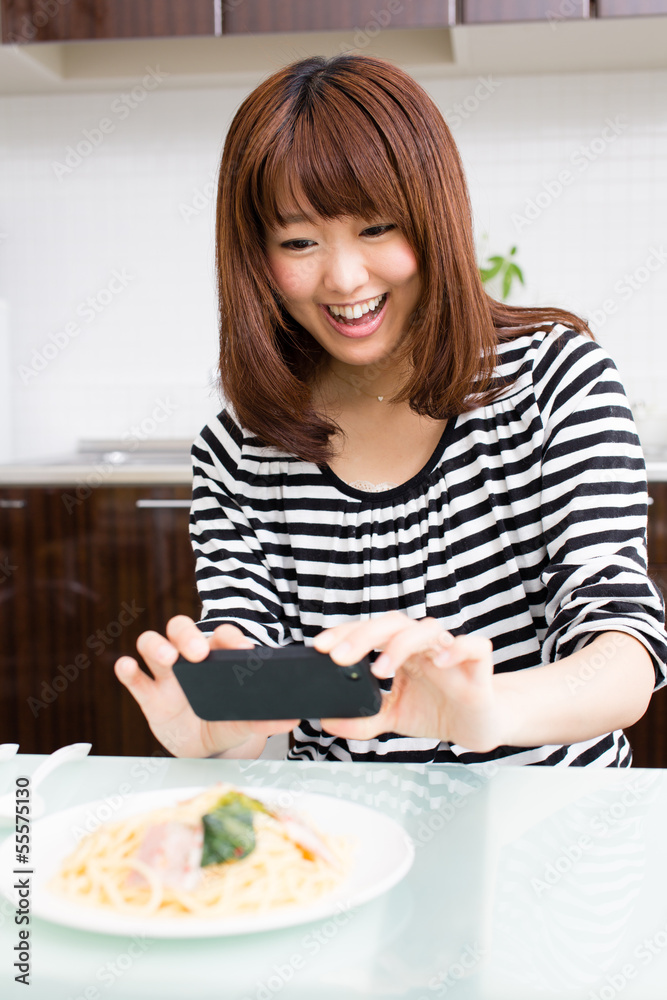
column 173, row 851
column 307, row 839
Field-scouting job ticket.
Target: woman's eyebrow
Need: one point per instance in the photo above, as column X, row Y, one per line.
column 295, row 219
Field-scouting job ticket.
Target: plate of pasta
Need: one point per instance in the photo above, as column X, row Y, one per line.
column 205, row 862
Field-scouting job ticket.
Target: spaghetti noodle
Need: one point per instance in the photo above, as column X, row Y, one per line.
column 151, row 864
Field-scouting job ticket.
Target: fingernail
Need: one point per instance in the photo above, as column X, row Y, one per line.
column 124, row 667
column 442, row 659
column 343, row 650
column 382, row 666
column 198, row 647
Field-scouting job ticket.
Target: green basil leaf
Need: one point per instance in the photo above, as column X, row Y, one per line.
column 239, row 798
column 229, row 833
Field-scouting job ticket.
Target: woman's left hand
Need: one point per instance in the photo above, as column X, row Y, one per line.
column 443, row 685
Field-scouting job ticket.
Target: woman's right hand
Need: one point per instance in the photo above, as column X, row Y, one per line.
column 165, row 706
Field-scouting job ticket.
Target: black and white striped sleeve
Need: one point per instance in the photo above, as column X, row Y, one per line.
column 234, row 579
column 594, row 505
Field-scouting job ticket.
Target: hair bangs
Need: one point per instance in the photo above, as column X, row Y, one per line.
column 329, row 163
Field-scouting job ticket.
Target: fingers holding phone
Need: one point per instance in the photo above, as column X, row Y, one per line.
column 163, row 702
column 184, row 638
column 270, row 683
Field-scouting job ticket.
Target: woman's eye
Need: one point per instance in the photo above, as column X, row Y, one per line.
column 372, row 231
column 297, row 244
column 379, row 230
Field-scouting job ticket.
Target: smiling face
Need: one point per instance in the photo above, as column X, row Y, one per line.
column 353, row 145
column 351, row 283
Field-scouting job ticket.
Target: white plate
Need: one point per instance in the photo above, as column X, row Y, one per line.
column 384, row 855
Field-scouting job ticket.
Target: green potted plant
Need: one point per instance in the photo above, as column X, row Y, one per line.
column 499, row 274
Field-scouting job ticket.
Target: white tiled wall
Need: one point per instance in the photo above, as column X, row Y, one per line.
column 592, row 239
column 131, row 225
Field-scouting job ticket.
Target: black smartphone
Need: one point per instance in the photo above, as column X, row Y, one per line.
column 287, row 682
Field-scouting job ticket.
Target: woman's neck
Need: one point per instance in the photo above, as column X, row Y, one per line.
column 358, row 384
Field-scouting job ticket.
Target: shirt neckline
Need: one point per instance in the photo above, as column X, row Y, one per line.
column 397, row 491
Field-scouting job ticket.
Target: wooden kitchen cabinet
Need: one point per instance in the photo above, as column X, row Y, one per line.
column 657, row 525
column 34, row 21
column 250, row 16
column 25, row 21
column 495, row 11
column 649, row 736
column 82, row 575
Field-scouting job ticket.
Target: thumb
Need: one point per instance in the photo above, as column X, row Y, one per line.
column 363, row 727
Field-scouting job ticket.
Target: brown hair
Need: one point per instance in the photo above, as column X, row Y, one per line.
column 356, row 136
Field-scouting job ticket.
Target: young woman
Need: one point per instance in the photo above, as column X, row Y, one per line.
column 403, row 464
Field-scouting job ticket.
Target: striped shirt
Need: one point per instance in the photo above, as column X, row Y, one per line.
column 527, row 525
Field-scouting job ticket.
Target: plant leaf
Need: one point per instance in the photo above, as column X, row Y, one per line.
column 240, row 798
column 229, row 833
column 515, row 272
column 490, row 272
column 507, row 283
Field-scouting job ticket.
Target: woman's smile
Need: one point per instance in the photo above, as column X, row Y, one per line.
column 360, row 319
column 346, row 280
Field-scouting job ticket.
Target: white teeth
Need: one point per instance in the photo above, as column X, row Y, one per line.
column 356, row 311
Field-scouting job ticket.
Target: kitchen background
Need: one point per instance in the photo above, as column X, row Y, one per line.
column 106, row 259
column 108, row 158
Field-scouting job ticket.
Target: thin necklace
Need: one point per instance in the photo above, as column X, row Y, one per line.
column 359, row 389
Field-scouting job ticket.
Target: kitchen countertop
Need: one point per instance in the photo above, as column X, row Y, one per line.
column 656, row 470
column 168, row 474
column 109, row 462
column 526, row 882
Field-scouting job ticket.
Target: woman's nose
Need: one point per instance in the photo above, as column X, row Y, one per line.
column 345, row 271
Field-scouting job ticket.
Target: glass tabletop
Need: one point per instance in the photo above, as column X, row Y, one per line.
column 526, row 882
